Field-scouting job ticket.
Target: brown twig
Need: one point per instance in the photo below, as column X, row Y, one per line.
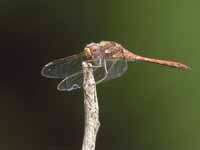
column 91, row 108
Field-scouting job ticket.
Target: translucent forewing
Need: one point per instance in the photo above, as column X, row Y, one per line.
column 75, row 81
column 63, row 67
column 114, row 69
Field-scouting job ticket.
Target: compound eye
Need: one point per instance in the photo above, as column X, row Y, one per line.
column 87, row 52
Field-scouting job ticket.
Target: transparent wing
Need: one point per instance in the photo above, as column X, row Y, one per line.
column 75, row 81
column 116, row 68
column 63, row 67
column 107, row 70
column 72, row 82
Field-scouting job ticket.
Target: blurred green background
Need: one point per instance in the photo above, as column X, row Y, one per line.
column 150, row 108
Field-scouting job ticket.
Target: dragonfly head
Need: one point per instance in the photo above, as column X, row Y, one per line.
column 88, row 52
column 91, row 50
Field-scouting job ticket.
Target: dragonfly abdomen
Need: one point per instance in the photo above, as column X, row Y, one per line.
column 132, row 57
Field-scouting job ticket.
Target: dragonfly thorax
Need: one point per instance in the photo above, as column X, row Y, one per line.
column 104, row 49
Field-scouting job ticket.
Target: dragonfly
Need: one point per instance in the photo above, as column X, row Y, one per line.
column 109, row 61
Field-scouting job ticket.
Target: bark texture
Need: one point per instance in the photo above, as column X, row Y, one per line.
column 91, row 108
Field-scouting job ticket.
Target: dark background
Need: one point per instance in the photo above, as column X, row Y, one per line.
column 150, row 108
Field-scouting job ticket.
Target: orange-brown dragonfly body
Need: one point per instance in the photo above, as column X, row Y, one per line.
column 113, row 50
column 108, row 58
